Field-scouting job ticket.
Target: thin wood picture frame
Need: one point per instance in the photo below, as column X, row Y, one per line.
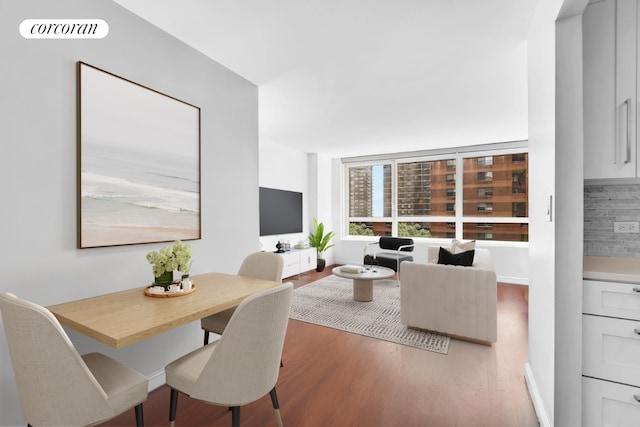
column 138, row 163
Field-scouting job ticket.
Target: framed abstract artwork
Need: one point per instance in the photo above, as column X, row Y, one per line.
column 138, row 163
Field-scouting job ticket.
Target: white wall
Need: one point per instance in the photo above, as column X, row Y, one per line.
column 555, row 167
column 285, row 169
column 294, row 170
column 40, row 261
column 542, row 241
column 322, row 197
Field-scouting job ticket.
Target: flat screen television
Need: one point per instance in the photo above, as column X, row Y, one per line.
column 280, row 211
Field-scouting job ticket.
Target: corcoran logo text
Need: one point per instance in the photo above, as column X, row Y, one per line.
column 64, row 29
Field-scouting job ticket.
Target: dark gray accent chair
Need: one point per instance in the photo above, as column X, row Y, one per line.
column 390, row 252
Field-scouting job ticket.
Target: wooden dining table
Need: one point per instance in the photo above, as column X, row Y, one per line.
column 123, row 318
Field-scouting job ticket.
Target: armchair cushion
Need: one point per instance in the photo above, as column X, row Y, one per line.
column 458, row 246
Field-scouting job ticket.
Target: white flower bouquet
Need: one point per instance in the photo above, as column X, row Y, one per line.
column 168, row 259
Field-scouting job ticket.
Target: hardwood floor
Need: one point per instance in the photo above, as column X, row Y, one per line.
column 334, row 378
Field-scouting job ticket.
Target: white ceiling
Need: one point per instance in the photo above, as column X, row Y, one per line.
column 353, row 77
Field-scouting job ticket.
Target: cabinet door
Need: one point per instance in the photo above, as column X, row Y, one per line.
column 626, row 87
column 308, row 259
column 609, row 404
column 611, row 349
column 609, row 55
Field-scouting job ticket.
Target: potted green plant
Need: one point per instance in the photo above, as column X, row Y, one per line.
column 320, row 241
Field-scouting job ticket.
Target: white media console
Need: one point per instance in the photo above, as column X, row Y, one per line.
column 298, row 261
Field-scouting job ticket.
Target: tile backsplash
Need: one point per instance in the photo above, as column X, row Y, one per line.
column 605, row 204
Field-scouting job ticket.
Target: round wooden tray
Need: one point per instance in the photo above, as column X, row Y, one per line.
column 170, row 294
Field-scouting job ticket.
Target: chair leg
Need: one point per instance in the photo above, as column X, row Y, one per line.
column 206, row 337
column 139, row 416
column 276, row 405
column 235, row 416
column 173, row 405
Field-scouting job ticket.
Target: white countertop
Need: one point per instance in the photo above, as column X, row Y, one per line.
column 612, row 269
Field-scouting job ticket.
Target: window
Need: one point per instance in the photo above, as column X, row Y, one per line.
column 485, row 207
column 485, row 176
column 481, row 196
column 514, row 232
column 484, row 161
column 519, row 182
column 485, row 191
column 370, row 200
column 519, row 158
column 519, row 209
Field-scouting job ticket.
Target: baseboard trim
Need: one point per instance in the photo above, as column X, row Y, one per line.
column 513, row 280
column 156, row 380
column 534, row 393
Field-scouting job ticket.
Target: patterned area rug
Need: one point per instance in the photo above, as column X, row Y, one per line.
column 329, row 302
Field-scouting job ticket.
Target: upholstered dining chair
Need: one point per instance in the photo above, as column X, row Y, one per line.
column 57, row 386
column 243, row 365
column 259, row 265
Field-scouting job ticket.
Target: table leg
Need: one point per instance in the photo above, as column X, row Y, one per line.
column 362, row 290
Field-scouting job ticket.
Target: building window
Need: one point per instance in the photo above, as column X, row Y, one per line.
column 519, row 182
column 485, row 207
column 414, row 197
column 485, row 176
column 519, row 158
column 519, row 209
column 484, row 161
column 485, row 191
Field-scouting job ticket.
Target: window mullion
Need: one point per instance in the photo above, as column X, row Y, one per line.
column 394, row 198
column 459, row 196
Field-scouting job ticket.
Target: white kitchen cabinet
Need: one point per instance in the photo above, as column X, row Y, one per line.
column 610, row 47
column 298, row 261
column 609, row 404
column 610, row 354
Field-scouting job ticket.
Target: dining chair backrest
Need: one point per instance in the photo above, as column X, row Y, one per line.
column 262, row 265
column 245, row 363
column 55, row 386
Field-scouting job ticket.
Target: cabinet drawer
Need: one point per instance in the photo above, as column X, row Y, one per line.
column 611, row 349
column 609, row 404
column 611, row 299
column 290, row 264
